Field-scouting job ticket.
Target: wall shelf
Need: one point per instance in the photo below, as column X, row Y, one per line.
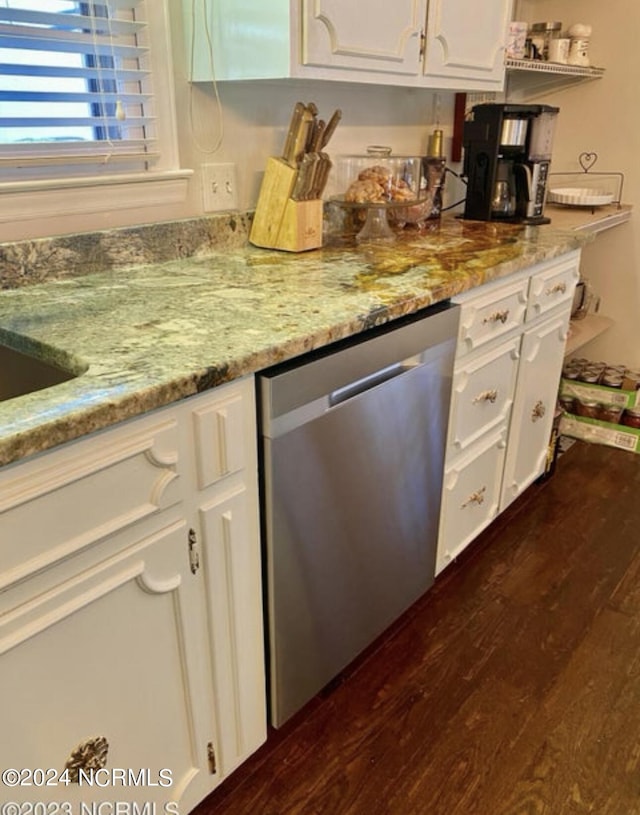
column 588, row 219
column 536, row 76
column 540, row 67
column 583, row 331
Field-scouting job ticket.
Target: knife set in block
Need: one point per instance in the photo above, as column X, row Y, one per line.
column 289, row 210
column 280, row 222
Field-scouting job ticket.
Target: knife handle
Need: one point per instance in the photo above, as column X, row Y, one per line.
column 331, row 127
column 303, row 134
column 318, row 135
column 289, row 152
column 302, row 179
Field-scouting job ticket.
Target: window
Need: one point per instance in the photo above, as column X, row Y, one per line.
column 77, row 102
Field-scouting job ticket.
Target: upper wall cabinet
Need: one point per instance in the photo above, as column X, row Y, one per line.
column 466, row 43
column 384, row 38
column 414, row 43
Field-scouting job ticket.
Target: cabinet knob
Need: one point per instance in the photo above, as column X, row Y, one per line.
column 538, row 411
column 89, row 756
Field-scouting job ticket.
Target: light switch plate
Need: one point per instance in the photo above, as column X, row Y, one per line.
column 219, row 187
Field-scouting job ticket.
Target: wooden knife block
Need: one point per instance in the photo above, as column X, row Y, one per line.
column 279, row 221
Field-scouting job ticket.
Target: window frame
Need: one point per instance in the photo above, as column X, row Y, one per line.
column 92, row 194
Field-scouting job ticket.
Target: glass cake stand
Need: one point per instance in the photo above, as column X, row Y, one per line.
column 376, row 227
column 374, row 184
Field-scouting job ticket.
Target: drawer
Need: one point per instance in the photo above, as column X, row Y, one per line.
column 470, row 496
column 482, row 394
column 72, row 498
column 88, row 491
column 552, row 287
column 492, row 314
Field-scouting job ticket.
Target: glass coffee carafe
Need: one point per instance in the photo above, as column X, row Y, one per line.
column 503, row 203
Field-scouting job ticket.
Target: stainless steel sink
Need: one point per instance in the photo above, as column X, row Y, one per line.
column 22, row 373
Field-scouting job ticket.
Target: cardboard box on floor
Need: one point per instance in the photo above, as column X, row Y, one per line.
column 598, row 432
column 601, row 393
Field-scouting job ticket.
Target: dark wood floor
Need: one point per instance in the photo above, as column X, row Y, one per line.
column 511, row 688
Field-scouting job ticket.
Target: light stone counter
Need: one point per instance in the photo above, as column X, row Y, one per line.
column 147, row 335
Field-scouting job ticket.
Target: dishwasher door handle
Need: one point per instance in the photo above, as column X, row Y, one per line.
column 370, row 381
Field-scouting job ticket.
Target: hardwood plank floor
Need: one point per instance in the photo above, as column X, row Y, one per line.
column 511, row 688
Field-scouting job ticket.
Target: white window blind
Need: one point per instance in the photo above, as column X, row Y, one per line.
column 75, row 86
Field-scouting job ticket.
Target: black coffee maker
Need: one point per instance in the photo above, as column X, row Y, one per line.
column 507, row 154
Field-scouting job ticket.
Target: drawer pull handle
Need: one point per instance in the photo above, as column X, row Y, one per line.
column 559, row 288
column 538, row 411
column 497, row 317
column 486, row 396
column 475, row 498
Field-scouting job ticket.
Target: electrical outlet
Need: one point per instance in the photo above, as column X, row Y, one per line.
column 219, row 187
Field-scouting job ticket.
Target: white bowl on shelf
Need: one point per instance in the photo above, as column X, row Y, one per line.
column 579, row 197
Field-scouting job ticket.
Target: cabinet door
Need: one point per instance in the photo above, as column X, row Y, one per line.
column 225, row 491
column 465, row 43
column 231, row 555
column 108, row 664
column 542, row 352
column 375, row 36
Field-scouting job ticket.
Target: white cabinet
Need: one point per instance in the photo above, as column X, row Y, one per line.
column 465, row 44
column 415, row 43
column 508, row 362
column 377, row 36
column 130, row 603
column 105, row 658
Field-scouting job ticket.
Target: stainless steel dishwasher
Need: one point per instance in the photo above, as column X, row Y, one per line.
column 352, row 456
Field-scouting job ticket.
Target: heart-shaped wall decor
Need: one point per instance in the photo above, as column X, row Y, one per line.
column 587, row 160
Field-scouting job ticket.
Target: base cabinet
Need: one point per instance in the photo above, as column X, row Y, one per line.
column 506, row 374
column 105, row 669
column 415, row 43
column 131, row 621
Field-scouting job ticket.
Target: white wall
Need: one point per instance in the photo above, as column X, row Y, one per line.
column 603, row 116
column 255, row 117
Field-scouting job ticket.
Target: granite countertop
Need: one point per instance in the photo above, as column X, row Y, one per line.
column 148, row 335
